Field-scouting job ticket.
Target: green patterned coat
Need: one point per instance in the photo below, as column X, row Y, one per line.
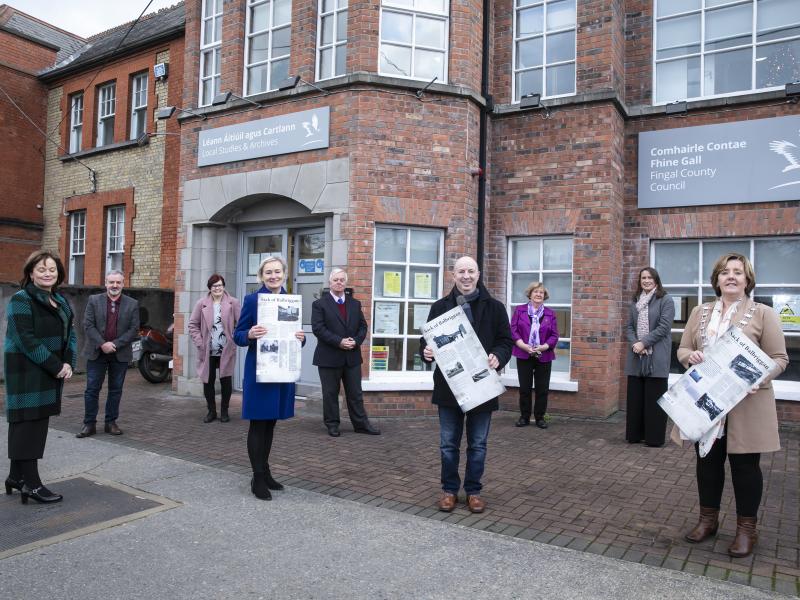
column 39, row 340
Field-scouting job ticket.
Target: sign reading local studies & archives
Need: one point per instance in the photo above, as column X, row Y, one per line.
column 730, row 163
column 295, row 132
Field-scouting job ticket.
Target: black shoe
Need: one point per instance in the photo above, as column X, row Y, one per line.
column 258, row 485
column 272, row 484
column 12, row 484
column 87, row 430
column 541, row 423
column 333, row 431
column 522, row 422
column 223, row 416
column 211, row 416
column 368, row 429
column 112, row 429
column 40, row 494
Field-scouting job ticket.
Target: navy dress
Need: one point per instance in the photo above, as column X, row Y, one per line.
column 260, row 401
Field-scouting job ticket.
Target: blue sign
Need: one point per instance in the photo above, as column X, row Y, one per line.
column 310, row 265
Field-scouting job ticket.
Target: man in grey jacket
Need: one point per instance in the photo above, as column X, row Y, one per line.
column 111, row 325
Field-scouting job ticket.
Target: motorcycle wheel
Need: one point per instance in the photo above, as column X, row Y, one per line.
column 153, row 371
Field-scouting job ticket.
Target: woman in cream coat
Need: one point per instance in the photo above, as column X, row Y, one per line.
column 752, row 426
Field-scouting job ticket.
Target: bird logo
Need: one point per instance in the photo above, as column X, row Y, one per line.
column 311, row 127
column 790, row 152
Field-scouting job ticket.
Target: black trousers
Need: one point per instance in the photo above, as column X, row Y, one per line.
column 225, row 382
column 644, row 419
column 748, row 482
column 330, row 378
column 533, row 374
column 259, row 444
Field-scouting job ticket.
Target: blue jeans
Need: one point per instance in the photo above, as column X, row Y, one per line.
column 451, row 427
column 95, row 375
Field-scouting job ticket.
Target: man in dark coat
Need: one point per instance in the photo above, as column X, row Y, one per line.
column 490, row 322
column 340, row 327
column 111, row 325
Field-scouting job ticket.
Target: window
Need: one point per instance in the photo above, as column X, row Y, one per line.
column 544, row 48
column 106, row 108
column 331, row 38
column 685, row 270
column 77, row 246
column 407, row 280
column 210, row 44
column 268, row 44
column 138, row 105
column 115, row 237
column 414, row 39
column 75, row 123
column 548, row 260
column 706, row 48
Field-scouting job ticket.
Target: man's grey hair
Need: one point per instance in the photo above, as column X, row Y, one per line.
column 336, row 271
column 115, row 272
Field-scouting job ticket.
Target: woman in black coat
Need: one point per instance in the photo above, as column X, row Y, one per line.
column 39, row 354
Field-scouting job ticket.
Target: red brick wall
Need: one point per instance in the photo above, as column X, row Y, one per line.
column 638, row 51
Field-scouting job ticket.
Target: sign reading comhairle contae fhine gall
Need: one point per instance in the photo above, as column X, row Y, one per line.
column 294, row 132
column 730, row 163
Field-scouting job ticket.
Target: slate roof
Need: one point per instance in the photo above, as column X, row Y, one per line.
column 33, row 28
column 164, row 24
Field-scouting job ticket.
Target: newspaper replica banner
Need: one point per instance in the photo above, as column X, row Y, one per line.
column 461, row 359
column 278, row 352
column 698, row 402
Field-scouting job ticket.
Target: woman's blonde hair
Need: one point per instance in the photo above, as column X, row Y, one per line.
column 536, row 285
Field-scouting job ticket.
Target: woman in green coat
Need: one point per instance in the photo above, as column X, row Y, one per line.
column 40, row 351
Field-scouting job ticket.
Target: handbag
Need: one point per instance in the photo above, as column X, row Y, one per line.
column 645, row 365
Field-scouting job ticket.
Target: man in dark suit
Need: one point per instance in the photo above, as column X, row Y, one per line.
column 340, row 328
column 111, row 325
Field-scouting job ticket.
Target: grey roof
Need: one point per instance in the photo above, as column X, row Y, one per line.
column 29, row 27
column 160, row 25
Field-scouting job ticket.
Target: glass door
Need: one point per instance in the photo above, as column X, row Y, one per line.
column 307, row 269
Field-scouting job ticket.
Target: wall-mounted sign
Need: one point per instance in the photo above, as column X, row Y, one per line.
column 310, row 265
column 295, row 132
column 731, row 163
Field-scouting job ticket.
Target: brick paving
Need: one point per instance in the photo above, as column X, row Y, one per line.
column 576, row 485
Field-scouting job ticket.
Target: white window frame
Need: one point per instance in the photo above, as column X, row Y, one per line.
column 398, row 7
column 754, row 45
column 115, row 236
column 77, row 245
column 270, row 60
column 510, row 375
column 106, row 112
column 784, row 389
column 410, row 340
column 138, row 105
column 340, row 6
column 544, row 35
column 76, row 123
column 210, row 51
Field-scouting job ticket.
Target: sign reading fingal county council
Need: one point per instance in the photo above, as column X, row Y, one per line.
column 730, row 163
column 294, row 132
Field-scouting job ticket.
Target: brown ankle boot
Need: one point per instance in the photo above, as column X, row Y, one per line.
column 746, row 537
column 706, row 526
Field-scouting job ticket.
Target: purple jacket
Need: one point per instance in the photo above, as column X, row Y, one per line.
column 521, row 330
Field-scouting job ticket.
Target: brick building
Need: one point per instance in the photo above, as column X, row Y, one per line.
column 336, row 147
column 110, row 194
column 27, row 46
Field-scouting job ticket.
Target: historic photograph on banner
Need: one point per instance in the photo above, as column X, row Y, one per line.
column 462, row 360
column 278, row 356
column 703, row 395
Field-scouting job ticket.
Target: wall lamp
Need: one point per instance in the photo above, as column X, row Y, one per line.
column 291, row 82
column 676, row 108
column 792, row 91
column 224, row 97
column 167, row 111
column 534, row 101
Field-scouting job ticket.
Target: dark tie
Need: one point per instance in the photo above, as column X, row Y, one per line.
column 340, row 301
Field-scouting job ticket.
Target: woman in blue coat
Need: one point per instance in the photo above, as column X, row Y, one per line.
column 262, row 403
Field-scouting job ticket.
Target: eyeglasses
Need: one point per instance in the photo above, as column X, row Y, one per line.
column 218, row 286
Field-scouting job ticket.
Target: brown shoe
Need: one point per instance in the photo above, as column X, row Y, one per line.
column 746, row 537
column 706, row 526
column 447, row 502
column 475, row 504
column 87, row 430
column 112, row 428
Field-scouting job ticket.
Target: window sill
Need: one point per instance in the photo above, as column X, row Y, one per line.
column 99, row 150
column 404, row 383
column 559, row 382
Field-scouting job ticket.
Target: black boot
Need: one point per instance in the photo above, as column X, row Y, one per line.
column 223, row 411
column 212, row 411
column 258, row 485
column 271, row 483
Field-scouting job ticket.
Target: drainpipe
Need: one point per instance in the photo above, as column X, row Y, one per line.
column 484, row 121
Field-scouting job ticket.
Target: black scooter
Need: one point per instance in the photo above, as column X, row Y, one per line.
column 156, row 350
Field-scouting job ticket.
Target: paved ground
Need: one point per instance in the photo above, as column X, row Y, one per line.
column 576, row 485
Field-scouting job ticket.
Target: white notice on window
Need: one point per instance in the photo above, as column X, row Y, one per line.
column 387, row 318
column 278, row 352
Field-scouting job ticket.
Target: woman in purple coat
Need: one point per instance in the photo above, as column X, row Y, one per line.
column 263, row 404
column 535, row 332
